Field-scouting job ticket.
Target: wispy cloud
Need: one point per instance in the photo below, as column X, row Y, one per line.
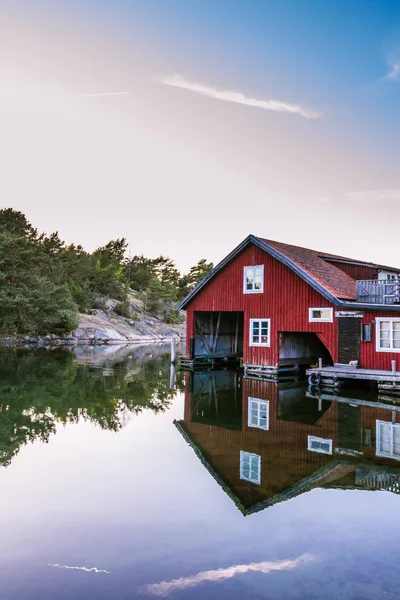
column 393, row 61
column 166, row 587
column 95, row 95
column 87, row 569
column 394, row 73
column 374, row 195
column 238, row 97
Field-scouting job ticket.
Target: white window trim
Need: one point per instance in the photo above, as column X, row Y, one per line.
column 311, row 319
column 259, row 401
column 314, row 438
column 250, row 454
column 266, row 344
column 378, row 439
column 245, row 290
column 378, row 334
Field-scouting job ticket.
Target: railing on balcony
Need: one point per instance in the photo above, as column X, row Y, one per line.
column 378, row 291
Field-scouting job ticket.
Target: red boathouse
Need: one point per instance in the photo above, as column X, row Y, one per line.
column 274, row 305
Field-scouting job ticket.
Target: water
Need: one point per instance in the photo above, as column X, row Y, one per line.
column 114, row 486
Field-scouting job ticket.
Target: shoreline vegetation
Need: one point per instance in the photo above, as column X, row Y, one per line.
column 54, row 294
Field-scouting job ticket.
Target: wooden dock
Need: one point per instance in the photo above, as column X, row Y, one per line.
column 388, row 381
column 271, row 372
column 208, row 362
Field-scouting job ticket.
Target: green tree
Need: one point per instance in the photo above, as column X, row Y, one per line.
column 195, row 275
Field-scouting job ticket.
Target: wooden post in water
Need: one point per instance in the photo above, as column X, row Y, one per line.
column 320, row 363
column 173, row 356
column 172, row 377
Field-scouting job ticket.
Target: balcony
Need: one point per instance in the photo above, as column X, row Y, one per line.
column 378, row 291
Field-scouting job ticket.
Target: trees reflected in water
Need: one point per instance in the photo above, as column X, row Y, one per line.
column 39, row 389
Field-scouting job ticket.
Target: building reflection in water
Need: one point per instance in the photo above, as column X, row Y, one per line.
column 266, row 442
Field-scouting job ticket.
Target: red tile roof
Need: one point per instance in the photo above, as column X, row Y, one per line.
column 324, row 272
column 311, row 265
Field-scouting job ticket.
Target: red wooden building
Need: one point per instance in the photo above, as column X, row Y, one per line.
column 265, row 442
column 274, row 304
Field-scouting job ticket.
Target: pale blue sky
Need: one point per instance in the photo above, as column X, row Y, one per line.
column 229, row 117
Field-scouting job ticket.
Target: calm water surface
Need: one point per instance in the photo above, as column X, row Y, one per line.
column 114, row 486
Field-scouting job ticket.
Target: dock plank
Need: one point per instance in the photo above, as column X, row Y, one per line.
column 356, row 373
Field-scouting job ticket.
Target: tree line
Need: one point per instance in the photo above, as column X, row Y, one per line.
column 45, row 283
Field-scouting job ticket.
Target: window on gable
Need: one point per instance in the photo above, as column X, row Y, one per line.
column 250, row 467
column 259, row 332
column 388, row 335
column 258, row 413
column 320, row 314
column 317, row 444
column 253, row 280
column 388, row 439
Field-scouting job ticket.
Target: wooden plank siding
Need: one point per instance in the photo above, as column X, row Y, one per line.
column 369, row 357
column 356, row 271
column 285, row 459
column 285, row 300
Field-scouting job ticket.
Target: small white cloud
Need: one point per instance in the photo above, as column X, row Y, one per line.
column 395, row 71
column 324, row 199
column 238, row 97
column 393, row 61
column 165, row 587
column 87, row 569
column 374, row 195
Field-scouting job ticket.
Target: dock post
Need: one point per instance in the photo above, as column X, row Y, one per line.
column 394, row 367
column 172, row 377
column 320, row 363
column 173, row 357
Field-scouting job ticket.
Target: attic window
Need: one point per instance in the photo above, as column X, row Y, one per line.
column 253, row 280
column 250, row 467
column 320, row 314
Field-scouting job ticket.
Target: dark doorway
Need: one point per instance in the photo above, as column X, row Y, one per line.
column 349, row 339
column 217, row 399
column 218, row 334
column 302, row 348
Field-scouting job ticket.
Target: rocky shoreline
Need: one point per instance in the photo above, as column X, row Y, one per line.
column 103, row 327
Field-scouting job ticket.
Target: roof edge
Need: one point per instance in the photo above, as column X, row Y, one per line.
column 370, row 307
column 252, row 239
column 298, row 270
column 214, row 271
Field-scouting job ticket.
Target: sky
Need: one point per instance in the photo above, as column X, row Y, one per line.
column 185, row 126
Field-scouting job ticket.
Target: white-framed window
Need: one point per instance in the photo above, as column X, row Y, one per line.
column 253, row 279
column 320, row 314
column 388, row 335
column 317, row 444
column 258, row 413
column 250, row 467
column 388, row 276
column 387, row 439
column 260, row 332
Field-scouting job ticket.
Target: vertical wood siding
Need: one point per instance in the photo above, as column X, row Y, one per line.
column 369, row 357
column 356, row 271
column 285, row 459
column 286, row 300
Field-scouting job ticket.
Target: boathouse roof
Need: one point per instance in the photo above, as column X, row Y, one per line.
column 315, row 267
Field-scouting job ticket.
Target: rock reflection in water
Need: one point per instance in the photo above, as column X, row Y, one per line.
column 42, row 388
column 266, row 442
